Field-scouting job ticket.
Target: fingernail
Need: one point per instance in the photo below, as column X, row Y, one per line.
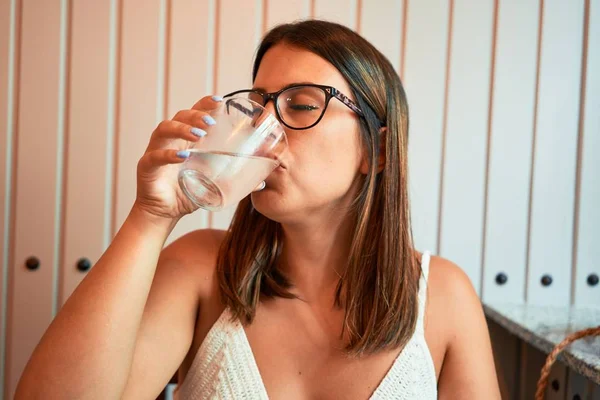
column 209, row 120
column 198, row 132
column 183, row 153
column 217, row 98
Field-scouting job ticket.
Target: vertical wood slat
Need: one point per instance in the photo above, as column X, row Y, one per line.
column 578, row 385
column 88, row 140
column 278, row 12
column 234, row 60
column 507, row 357
column 555, row 151
column 9, row 54
column 424, row 77
column 341, row 11
column 595, row 392
column 138, row 108
column 557, row 373
column 532, row 362
column 511, row 135
column 189, row 73
column 113, row 93
column 463, row 180
column 381, row 23
column 588, row 224
column 38, row 179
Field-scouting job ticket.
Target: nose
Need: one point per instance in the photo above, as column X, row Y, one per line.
column 270, row 106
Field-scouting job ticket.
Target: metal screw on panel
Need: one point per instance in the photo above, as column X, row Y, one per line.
column 592, row 279
column 546, row 280
column 84, row 264
column 32, row 263
column 501, row 278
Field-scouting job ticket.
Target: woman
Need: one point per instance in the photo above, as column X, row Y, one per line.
column 316, row 290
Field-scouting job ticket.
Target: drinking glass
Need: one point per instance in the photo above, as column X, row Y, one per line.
column 235, row 157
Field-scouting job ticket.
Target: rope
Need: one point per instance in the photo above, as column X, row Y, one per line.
column 543, row 381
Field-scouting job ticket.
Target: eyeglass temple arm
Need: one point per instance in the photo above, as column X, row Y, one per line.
column 344, row 99
column 352, row 105
column 243, row 109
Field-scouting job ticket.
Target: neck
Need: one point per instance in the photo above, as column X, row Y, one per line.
column 315, row 256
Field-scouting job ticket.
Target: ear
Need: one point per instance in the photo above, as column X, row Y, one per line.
column 364, row 166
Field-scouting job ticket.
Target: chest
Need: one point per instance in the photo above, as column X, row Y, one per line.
column 289, row 354
column 304, row 359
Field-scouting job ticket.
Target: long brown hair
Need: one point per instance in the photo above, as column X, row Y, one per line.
column 379, row 289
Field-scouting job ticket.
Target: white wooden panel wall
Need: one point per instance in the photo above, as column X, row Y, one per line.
column 141, row 92
column 425, row 65
column 465, row 151
column 511, row 133
column 555, row 151
column 383, row 26
column 278, row 12
column 341, row 11
column 588, row 236
column 503, row 149
column 38, row 163
column 8, row 75
column 89, row 130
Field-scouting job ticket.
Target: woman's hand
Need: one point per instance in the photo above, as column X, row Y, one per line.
column 158, row 192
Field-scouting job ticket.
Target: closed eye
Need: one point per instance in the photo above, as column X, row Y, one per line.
column 303, row 107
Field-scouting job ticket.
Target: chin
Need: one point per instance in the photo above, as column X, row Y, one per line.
column 269, row 203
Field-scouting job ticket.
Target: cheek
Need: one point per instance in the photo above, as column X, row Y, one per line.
column 326, row 160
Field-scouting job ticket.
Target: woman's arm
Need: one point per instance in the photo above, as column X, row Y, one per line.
column 87, row 350
column 468, row 370
column 184, row 282
column 93, row 348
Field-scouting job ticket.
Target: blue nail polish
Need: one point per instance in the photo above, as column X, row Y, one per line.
column 210, row 121
column 217, row 98
column 198, row 132
column 183, row 153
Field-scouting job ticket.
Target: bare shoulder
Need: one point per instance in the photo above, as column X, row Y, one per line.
column 452, row 302
column 448, row 282
column 447, row 287
column 197, row 245
column 193, row 257
column 457, row 334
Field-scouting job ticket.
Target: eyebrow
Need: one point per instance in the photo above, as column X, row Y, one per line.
column 260, row 89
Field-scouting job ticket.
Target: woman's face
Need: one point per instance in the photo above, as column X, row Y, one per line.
column 320, row 168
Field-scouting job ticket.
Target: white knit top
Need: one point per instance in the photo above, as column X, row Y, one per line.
column 225, row 368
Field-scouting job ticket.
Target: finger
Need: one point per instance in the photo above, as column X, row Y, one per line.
column 198, row 119
column 260, row 186
column 170, row 129
column 208, row 103
column 155, row 159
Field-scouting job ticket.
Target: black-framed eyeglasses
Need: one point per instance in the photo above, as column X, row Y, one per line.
column 302, row 105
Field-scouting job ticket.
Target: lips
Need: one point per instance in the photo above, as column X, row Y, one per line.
column 282, row 165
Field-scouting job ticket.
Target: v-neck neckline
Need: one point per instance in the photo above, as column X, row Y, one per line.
column 256, row 371
column 227, row 340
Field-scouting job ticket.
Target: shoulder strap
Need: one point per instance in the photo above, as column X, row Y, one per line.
column 423, row 290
